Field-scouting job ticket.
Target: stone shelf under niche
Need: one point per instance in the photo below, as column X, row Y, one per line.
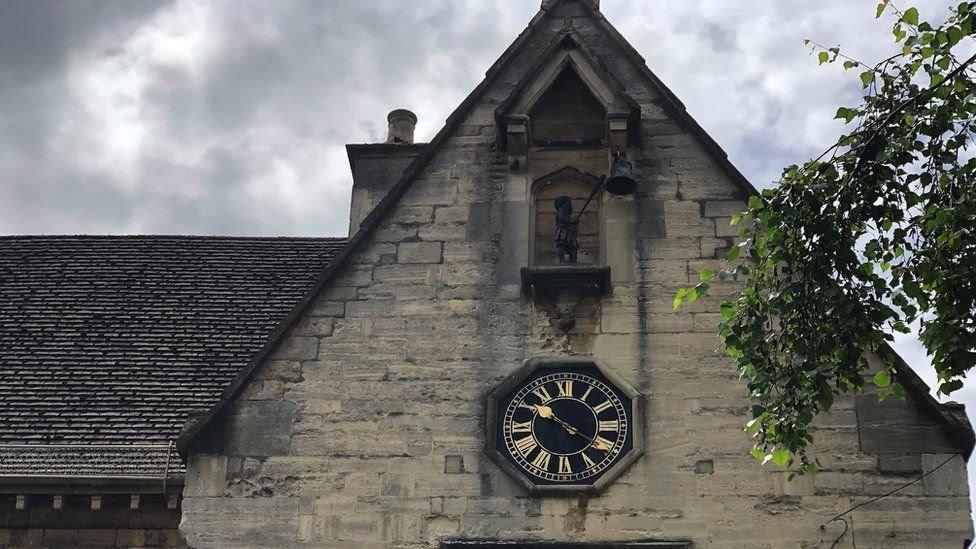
column 577, row 278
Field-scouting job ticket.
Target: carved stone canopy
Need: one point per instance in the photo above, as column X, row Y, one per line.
column 567, row 53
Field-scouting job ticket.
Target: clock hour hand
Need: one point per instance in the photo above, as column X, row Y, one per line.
column 546, row 413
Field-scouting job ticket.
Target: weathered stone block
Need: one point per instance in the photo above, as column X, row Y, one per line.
column 899, row 464
column 723, row 208
column 316, row 326
column 297, row 348
column 451, row 215
column 258, row 428
column 206, row 476
column 413, row 215
column 369, row 307
column 683, row 218
column 944, row 479
column 898, row 426
column 453, row 465
column 420, row 252
column 269, row 389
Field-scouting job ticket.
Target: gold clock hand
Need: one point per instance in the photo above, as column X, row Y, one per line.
column 546, row 413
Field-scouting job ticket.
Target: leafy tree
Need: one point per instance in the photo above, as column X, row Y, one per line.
column 874, row 236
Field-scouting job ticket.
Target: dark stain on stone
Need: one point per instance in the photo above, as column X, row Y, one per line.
column 576, row 517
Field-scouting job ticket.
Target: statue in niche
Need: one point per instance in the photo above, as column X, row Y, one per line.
column 567, row 231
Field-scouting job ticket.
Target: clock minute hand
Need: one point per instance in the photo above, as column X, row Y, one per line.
column 546, row 413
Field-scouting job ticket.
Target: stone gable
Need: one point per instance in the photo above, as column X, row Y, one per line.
column 365, row 427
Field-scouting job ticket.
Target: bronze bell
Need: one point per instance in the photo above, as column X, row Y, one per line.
column 621, row 181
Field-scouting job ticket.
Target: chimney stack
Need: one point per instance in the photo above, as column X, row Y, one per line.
column 402, row 123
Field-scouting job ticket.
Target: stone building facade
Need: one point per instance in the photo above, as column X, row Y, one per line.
column 351, row 408
column 363, row 425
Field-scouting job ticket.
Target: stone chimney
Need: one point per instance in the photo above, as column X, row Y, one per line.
column 402, row 124
column 376, row 167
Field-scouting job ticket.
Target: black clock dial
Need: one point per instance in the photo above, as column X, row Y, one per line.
column 564, row 426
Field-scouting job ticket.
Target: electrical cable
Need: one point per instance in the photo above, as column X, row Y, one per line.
column 872, row 500
column 842, row 534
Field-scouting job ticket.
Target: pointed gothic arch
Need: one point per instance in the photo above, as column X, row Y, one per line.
column 606, row 116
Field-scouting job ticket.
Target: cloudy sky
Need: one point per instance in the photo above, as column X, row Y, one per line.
column 213, row 117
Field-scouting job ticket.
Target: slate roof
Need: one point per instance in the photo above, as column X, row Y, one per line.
column 110, row 340
column 136, row 462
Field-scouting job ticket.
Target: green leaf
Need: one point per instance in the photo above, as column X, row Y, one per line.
column 882, row 379
column 679, row 298
column 863, row 241
column 699, row 290
column 846, row 114
column 881, row 8
column 727, row 308
column 955, row 35
column 899, row 33
column 910, row 16
column 950, row 386
column 706, row 274
column 733, row 254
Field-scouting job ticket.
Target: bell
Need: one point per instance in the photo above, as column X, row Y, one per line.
column 621, row 181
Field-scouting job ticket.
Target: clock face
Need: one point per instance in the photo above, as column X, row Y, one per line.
column 564, row 425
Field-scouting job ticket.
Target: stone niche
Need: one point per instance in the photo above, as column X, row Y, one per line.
column 563, row 123
column 578, row 186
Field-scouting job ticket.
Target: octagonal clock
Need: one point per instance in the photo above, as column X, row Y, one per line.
column 564, row 425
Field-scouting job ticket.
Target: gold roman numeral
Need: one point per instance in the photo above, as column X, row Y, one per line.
column 610, row 425
column 587, row 393
column 542, row 460
column 565, row 387
column 525, row 445
column 586, row 459
column 525, row 427
column 564, row 467
column 542, row 394
column 601, row 407
column 603, row 444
